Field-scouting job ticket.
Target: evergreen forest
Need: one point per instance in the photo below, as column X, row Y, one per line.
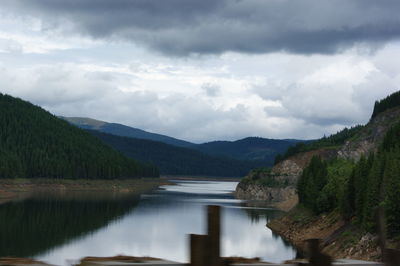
column 37, row 144
column 358, row 189
column 387, row 103
column 173, row 160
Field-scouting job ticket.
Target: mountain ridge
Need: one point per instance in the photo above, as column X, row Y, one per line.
column 249, row 148
column 123, row 130
column 174, row 160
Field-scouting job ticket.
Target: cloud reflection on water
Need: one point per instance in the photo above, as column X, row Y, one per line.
column 159, row 226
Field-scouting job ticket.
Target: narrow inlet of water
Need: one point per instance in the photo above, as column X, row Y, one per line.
column 61, row 230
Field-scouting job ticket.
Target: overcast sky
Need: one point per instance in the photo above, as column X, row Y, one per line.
column 207, row 69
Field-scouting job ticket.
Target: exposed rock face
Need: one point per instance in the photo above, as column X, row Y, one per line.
column 289, row 170
column 370, row 138
column 292, row 168
column 257, row 192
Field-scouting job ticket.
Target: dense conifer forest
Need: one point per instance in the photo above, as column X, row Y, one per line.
column 387, row 103
column 251, row 148
column 35, row 143
column 247, row 149
column 334, row 140
column 173, row 160
column 357, row 189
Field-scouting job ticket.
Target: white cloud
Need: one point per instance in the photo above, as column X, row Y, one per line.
column 198, row 98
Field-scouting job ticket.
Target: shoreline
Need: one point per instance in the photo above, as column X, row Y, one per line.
column 20, row 189
column 338, row 239
column 202, row 178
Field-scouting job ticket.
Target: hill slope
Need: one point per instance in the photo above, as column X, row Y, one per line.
column 252, row 148
column 124, row 131
column 34, row 143
column 173, row 160
column 350, row 177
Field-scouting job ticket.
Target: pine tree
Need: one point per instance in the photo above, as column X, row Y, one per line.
column 392, row 190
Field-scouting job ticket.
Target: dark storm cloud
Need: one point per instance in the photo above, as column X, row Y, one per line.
column 182, row 27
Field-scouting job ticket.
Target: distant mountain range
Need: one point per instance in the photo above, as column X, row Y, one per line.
column 124, row 131
column 249, row 149
column 174, row 160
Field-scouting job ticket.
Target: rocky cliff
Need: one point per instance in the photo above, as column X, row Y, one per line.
column 287, row 172
column 259, row 192
column 370, row 137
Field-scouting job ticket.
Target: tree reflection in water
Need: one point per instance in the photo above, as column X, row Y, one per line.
column 39, row 223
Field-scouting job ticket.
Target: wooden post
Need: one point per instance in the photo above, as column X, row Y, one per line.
column 392, row 257
column 198, row 250
column 214, row 234
column 316, row 258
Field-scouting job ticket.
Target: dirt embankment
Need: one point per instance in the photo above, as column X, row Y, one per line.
column 338, row 239
column 14, row 189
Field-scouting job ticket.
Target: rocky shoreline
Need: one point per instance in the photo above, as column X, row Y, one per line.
column 281, row 198
column 338, row 239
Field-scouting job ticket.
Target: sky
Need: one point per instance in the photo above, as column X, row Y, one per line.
column 204, row 70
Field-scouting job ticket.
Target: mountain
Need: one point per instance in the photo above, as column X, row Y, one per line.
column 173, row 160
column 124, row 131
column 342, row 182
column 35, row 143
column 252, row 148
column 347, row 145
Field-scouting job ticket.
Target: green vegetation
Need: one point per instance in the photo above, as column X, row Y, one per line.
column 332, row 141
column 35, row 225
column 173, row 160
column 342, row 136
column 357, row 190
column 389, row 102
column 247, row 149
column 252, row 148
column 34, row 143
column 263, row 177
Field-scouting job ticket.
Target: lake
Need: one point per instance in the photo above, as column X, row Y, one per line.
column 61, row 229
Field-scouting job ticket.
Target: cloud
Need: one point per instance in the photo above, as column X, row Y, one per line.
column 210, row 89
column 181, row 27
column 255, row 98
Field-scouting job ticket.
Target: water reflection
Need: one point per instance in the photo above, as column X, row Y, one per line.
column 156, row 225
column 44, row 221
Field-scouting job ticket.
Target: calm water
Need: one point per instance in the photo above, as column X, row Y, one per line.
column 60, row 229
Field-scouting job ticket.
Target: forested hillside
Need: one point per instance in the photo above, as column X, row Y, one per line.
column 172, row 160
column 34, row 143
column 252, row 148
column 248, row 149
column 389, row 102
column 345, row 183
column 332, row 141
column 358, row 190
